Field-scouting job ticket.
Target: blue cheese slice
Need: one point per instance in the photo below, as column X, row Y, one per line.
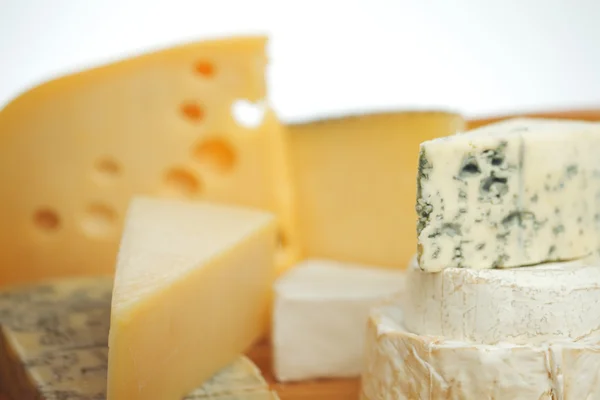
column 54, row 346
column 515, row 193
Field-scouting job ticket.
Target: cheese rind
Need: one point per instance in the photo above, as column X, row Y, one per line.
column 75, row 150
column 354, row 183
column 400, row 365
column 525, row 305
column 518, row 192
column 53, row 345
column 192, row 290
column 320, row 311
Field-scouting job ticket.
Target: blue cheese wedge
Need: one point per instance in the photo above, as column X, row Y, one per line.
column 515, row 193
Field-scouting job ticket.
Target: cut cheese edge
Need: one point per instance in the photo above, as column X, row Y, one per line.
column 320, row 311
column 316, row 279
column 354, row 184
column 515, row 193
column 53, row 343
column 525, row 305
column 401, row 365
column 74, row 151
column 241, row 380
column 192, row 291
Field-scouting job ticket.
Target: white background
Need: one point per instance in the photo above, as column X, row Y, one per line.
column 476, row 56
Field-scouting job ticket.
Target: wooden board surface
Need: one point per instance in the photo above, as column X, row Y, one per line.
column 586, row 115
column 332, row 389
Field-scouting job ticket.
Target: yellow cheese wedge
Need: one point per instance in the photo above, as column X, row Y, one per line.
column 192, row 290
column 53, row 346
column 354, row 180
column 73, row 152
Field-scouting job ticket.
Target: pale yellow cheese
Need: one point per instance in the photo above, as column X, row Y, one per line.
column 73, row 152
column 354, row 180
column 53, row 346
column 192, row 290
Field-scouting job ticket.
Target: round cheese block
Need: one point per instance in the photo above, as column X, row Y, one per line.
column 520, row 305
column 402, row 365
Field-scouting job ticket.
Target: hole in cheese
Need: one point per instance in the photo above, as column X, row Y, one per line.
column 205, row 68
column 281, row 240
column 248, row 114
column 217, row 154
column 46, row 220
column 192, row 111
column 182, row 182
column 107, row 168
column 99, row 220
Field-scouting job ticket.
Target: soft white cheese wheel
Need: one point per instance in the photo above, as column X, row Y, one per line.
column 400, row 365
column 319, row 317
column 520, row 305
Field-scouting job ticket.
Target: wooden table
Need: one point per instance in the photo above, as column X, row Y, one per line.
column 331, row 389
column 585, row 115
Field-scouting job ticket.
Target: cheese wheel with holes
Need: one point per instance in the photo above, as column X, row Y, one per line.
column 400, row 365
column 521, row 305
column 73, row 152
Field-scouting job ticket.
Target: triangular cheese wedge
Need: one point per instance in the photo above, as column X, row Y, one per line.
column 191, row 293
